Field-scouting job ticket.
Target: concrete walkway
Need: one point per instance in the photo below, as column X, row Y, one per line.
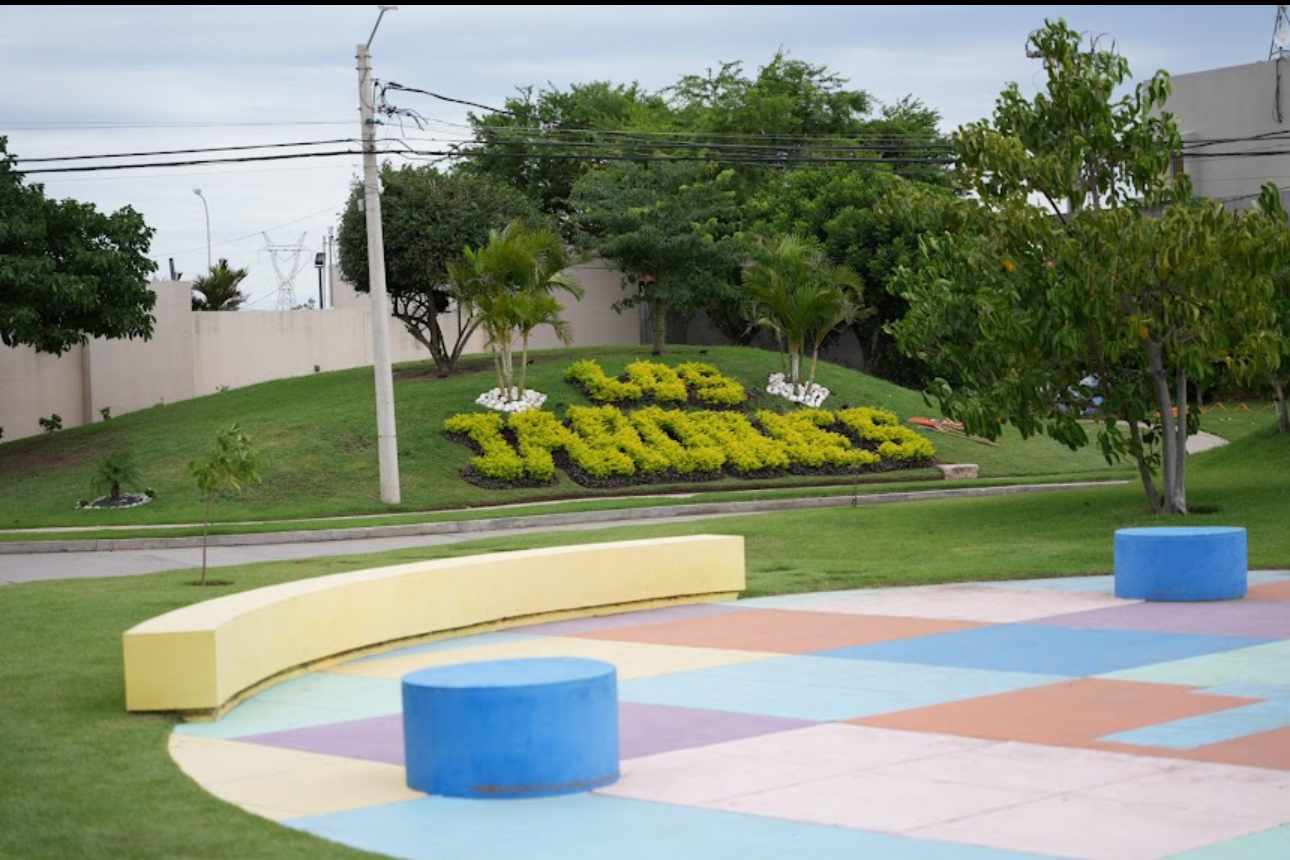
column 33, row 567
column 971, row 721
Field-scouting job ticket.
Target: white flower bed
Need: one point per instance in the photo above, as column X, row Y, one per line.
column 811, row 394
column 495, row 399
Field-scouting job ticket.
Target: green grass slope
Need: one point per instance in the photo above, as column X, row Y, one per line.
column 317, row 435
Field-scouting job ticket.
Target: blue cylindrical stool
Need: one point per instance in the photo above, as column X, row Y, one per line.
column 1181, row 563
column 511, row 728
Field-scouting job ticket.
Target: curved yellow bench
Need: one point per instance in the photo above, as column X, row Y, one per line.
column 204, row 657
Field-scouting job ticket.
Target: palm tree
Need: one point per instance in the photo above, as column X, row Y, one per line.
column 796, row 293
column 509, row 284
column 217, row 290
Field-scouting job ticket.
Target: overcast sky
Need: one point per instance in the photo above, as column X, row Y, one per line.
column 177, row 76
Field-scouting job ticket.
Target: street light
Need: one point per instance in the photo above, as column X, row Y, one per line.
column 320, row 260
column 207, row 210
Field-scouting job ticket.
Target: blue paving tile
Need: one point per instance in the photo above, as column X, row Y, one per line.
column 498, row 638
column 1044, row 649
column 589, row 825
column 1212, row 728
column 312, row 700
column 1271, row 844
column 822, row 688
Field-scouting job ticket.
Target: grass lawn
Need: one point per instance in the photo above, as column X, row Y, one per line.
column 318, row 440
column 92, row 780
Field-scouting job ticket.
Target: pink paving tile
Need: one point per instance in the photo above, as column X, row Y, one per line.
column 1256, row 619
column 1030, row 768
column 1093, row 828
column 651, row 729
column 1274, row 591
column 780, row 630
column 709, row 774
column 889, row 802
column 1244, row 792
column 578, row 626
column 961, row 602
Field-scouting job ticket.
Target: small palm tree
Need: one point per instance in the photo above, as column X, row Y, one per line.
column 509, row 285
column 115, row 471
column 217, row 290
column 796, row 293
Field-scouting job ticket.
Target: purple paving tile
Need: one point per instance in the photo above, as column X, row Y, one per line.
column 1254, row 619
column 373, row 739
column 649, row 729
column 630, row 619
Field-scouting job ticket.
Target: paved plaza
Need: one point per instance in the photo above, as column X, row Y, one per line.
column 1040, row 718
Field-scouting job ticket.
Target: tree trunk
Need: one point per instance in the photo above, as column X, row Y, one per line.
column 658, row 314
column 206, row 529
column 1144, row 468
column 1283, row 407
column 524, row 364
column 794, row 366
column 1164, row 402
column 1179, row 502
column 815, row 360
column 497, row 366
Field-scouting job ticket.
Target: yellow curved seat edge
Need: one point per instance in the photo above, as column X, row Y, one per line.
column 199, row 657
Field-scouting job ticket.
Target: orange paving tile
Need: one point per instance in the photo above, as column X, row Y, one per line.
column 1279, row 591
column 1071, row 713
column 781, row 631
column 1264, row 749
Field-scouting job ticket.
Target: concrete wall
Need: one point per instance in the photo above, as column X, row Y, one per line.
column 193, row 354
column 1238, row 101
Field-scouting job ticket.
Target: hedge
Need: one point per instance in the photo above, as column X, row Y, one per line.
column 655, row 382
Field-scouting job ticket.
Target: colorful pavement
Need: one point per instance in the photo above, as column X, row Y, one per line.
column 1042, row 718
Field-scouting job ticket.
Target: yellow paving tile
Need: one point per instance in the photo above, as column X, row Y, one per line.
column 633, row 659
column 279, row 783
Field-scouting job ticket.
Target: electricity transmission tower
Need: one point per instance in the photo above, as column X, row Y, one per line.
column 288, row 261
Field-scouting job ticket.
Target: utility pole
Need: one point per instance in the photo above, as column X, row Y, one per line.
column 331, row 264
column 387, row 437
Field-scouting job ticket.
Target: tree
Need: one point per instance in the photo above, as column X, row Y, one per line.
column 67, row 271
column 217, row 290
column 230, row 464
column 1280, row 376
column 1106, row 294
column 114, row 471
column 580, row 114
column 869, row 220
column 508, row 285
column 427, row 218
column 794, row 291
column 668, row 227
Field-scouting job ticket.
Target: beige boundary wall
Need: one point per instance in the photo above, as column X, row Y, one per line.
column 193, row 354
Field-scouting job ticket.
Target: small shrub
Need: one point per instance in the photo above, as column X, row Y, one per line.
column 52, row 424
column 106, row 413
column 227, row 467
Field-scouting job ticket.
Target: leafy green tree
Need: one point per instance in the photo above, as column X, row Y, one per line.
column 427, row 218
column 1279, row 377
column 231, row 464
column 795, row 292
column 508, row 285
column 1035, row 312
column 869, row 220
column 67, row 271
column 512, row 145
column 669, row 229
column 217, row 290
column 114, row 471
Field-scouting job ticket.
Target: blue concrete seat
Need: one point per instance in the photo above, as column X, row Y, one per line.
column 511, row 728
column 1181, row 563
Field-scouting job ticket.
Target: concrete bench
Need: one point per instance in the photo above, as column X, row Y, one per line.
column 511, row 728
column 203, row 658
column 1181, row 563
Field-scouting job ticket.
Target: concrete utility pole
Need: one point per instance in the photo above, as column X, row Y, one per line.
column 387, row 435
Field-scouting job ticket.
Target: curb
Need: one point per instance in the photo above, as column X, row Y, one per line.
column 504, row 524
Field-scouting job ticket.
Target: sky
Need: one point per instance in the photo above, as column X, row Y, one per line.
column 83, row 80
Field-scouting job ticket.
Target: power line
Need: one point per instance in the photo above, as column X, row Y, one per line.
column 189, row 151
column 101, row 126
column 797, row 159
column 392, row 85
